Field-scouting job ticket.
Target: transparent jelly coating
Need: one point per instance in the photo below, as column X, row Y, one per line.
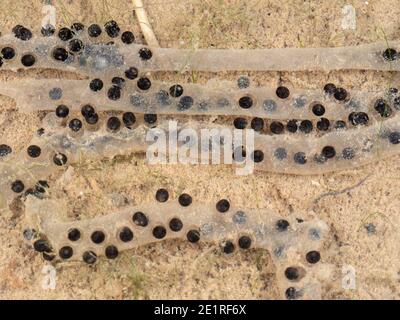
column 288, row 243
column 102, row 56
column 304, row 154
column 223, row 99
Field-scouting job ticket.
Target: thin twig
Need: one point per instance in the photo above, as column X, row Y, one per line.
column 144, row 23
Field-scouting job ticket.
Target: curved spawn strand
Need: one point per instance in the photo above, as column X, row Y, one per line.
column 222, row 98
column 283, row 153
column 297, row 245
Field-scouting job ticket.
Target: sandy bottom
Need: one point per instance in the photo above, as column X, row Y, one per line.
column 176, row 269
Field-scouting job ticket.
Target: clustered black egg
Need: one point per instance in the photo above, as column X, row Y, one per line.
column 185, row 102
column 348, row 153
column 282, row 92
column 145, row 54
column 77, row 27
column 48, row 30
column 339, row 94
column 111, row 252
column 175, row 225
column 390, row 54
column 244, row 242
column 60, row 54
column 276, row 127
column 300, row 158
column 65, row 34
column 8, row 53
column 114, row 93
column 144, row 83
column 113, row 124
column 22, row 33
column 318, row 109
column 158, row 231
column 228, row 247
column 394, row 137
column 140, row 219
column 66, row 252
column 97, row 237
column 126, row 234
column 17, row 186
column 240, row 123
column 96, row 85
column 92, row 119
column 62, row 111
column 87, row 111
column 292, row 273
column 223, row 205
column 5, row 150
column 112, row 28
column 340, row 124
column 28, row 60
column 193, row 236
column 176, row 90
column 75, row 125
column 383, row 108
column 150, row 118
column 291, row 126
column 292, row 293
column 74, row 234
column 89, row 257
column 132, row 73
column 257, row 124
column 41, row 245
column 306, row 126
column 128, row 37
column 94, row 30
column 60, row 159
column 118, row 82
column 323, row 124
column 34, row 151
column 73, row 45
column 185, row 200
column 128, row 119
column 358, row 118
column 257, row 156
column 329, row 152
column 162, row 195
column 246, row 102
column 313, row 257
column 282, row 225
